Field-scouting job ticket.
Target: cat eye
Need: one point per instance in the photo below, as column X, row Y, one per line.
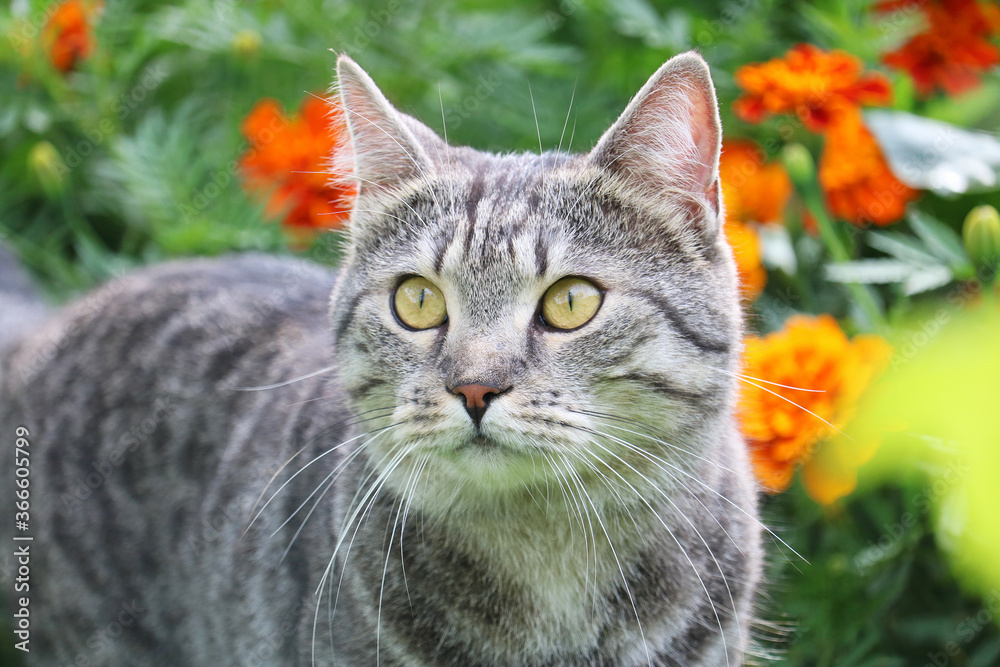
column 570, row 303
column 419, row 304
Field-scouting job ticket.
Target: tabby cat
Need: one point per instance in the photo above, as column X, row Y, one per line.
column 507, row 438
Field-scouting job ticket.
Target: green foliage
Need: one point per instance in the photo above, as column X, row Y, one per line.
column 146, row 138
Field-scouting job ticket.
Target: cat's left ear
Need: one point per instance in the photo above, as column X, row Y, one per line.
column 388, row 147
column 669, row 137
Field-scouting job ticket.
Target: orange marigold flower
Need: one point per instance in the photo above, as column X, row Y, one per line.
column 858, row 183
column 746, row 251
column 953, row 49
column 289, row 162
column 68, row 35
column 753, row 191
column 782, row 424
column 809, row 82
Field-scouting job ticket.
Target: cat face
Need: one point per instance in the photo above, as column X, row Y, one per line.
column 586, row 304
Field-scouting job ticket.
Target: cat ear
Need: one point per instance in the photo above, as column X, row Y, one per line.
column 669, row 137
column 385, row 149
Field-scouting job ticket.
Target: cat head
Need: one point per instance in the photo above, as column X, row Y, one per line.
column 501, row 319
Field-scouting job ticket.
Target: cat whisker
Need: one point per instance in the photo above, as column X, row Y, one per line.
column 750, row 381
column 444, row 122
column 310, row 400
column 285, row 383
column 406, row 152
column 572, row 500
column 742, row 376
column 571, row 135
column 656, row 460
column 534, row 113
column 568, row 112
column 402, row 530
column 398, row 199
column 367, row 502
column 291, row 458
column 385, row 568
column 677, row 448
column 357, row 513
column 326, row 484
column 681, row 514
column 621, row 570
column 303, row 468
column 672, row 477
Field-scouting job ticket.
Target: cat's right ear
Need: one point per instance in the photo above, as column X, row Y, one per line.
column 386, row 152
column 668, row 139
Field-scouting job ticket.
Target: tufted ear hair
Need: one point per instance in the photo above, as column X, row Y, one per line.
column 669, row 137
column 388, row 147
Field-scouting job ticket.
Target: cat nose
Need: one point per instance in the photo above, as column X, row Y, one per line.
column 477, row 398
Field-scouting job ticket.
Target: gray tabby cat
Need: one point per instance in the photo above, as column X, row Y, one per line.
column 506, row 439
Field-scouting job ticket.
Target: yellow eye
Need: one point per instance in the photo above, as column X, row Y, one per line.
column 419, row 304
column 570, row 303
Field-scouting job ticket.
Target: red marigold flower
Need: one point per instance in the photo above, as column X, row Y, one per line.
column 954, row 48
column 289, row 162
column 809, row 82
column 68, row 35
column 823, row 374
column 858, row 183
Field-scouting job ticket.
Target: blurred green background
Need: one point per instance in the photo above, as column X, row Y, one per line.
column 149, row 129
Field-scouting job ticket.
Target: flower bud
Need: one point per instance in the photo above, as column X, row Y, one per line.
column 981, row 234
column 246, row 43
column 47, row 165
column 799, row 164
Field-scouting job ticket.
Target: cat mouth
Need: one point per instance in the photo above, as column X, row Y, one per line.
column 483, row 443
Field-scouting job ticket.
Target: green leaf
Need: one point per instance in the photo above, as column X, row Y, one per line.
column 869, row 271
column 927, row 278
column 901, row 246
column 941, row 239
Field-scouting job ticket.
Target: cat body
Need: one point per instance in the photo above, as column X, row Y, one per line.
column 257, row 461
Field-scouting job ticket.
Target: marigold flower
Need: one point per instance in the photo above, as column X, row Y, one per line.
column 954, row 48
column 746, row 250
column 754, row 192
column 289, row 162
column 858, row 183
column 824, row 374
column 68, row 35
column 809, row 82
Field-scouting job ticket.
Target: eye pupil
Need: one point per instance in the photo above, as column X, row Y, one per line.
column 570, row 303
column 419, row 304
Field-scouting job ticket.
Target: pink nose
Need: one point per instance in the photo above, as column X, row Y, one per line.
column 475, row 394
column 477, row 399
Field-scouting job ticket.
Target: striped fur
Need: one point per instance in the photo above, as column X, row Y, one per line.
column 602, row 515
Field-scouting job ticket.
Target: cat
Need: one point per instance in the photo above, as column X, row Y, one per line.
column 501, row 433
